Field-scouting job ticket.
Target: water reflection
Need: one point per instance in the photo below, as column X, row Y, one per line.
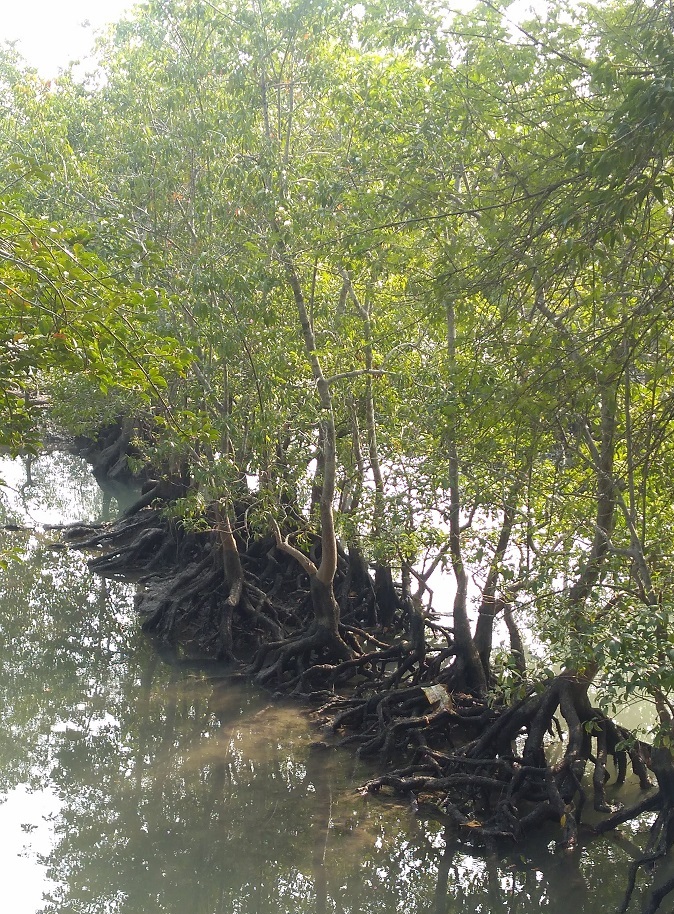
column 54, row 488
column 133, row 787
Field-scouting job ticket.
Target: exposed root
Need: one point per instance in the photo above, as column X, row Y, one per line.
column 657, row 896
column 86, row 536
column 488, row 772
column 303, row 662
column 661, row 835
column 503, row 780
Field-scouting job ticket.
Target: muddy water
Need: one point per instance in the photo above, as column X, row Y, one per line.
column 130, row 786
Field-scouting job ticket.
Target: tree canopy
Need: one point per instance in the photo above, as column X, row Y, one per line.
column 384, row 277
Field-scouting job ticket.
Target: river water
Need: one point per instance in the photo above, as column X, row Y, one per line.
column 130, row 786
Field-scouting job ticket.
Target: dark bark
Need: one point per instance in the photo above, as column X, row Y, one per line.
column 386, row 597
column 516, row 644
column 420, row 702
column 326, row 612
column 484, row 631
column 469, row 663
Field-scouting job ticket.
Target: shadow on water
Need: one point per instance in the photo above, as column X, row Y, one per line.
column 130, row 786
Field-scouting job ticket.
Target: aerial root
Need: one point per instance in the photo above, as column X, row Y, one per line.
column 502, row 781
column 661, row 835
column 406, row 701
column 305, row 661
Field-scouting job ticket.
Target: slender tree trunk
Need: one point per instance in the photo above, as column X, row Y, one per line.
column 234, row 577
column 466, row 651
column 484, row 631
column 322, row 578
column 605, row 512
column 385, row 594
column 358, row 576
column 516, row 644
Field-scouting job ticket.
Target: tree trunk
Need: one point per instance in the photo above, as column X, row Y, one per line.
column 466, row 650
column 326, row 609
column 484, row 631
column 386, row 597
column 326, row 612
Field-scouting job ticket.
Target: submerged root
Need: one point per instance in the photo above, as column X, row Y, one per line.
column 502, row 781
column 404, row 697
column 661, row 835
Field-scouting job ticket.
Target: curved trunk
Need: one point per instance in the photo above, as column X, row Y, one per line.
column 484, row 631
column 326, row 613
column 463, row 642
column 325, row 606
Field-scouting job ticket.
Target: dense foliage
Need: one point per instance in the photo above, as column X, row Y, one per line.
column 380, row 273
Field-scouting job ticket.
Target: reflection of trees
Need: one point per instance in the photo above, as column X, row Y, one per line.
column 59, row 484
column 180, row 795
column 176, row 794
column 530, row 877
column 56, row 646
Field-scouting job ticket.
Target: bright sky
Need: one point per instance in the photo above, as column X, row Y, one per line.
column 50, row 32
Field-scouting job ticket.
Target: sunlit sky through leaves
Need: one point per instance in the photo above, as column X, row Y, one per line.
column 50, row 33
